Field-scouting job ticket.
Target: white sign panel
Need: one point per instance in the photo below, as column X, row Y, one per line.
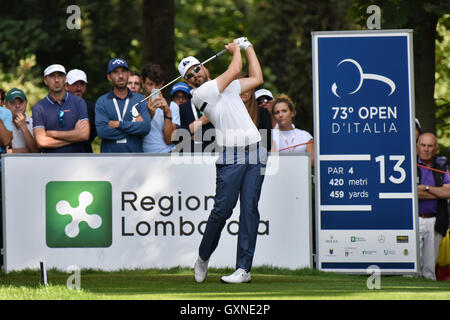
column 141, row 211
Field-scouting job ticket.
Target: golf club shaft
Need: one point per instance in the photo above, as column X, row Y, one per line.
column 175, row 80
column 215, row 56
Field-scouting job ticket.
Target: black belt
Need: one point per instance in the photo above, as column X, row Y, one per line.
column 429, row 215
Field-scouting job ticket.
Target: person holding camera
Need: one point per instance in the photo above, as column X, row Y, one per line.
column 165, row 115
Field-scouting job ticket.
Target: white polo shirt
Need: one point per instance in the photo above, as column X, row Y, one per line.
column 227, row 113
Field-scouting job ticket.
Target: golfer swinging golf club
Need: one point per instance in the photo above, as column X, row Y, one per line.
column 241, row 157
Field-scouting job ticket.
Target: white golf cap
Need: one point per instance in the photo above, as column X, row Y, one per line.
column 186, row 63
column 75, row 75
column 262, row 93
column 54, row 68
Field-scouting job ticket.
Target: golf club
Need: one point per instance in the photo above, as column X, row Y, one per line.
column 134, row 111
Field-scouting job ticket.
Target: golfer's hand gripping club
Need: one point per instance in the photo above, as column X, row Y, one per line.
column 243, row 43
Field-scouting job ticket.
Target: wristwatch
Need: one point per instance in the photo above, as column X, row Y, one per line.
column 427, row 188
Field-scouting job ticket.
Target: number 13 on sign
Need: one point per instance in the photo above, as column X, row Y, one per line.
column 397, row 168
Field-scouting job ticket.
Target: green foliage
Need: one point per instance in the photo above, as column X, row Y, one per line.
column 422, row 17
column 398, row 14
column 203, row 27
column 109, row 28
column 442, row 88
column 24, row 78
column 282, row 30
column 19, row 39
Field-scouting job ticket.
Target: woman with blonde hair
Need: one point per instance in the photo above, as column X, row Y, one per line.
column 287, row 138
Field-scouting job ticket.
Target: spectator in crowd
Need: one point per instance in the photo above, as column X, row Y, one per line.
column 60, row 120
column 191, row 120
column 135, row 82
column 76, row 84
column 6, row 131
column 5, row 141
column 260, row 116
column 165, row 115
column 119, row 127
column 433, row 192
column 180, row 93
column 240, row 165
column 286, row 138
column 2, row 97
column 23, row 140
column 264, row 99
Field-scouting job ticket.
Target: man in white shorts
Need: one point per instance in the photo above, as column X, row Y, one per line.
column 241, row 158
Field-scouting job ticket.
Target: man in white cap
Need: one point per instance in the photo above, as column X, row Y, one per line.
column 60, row 120
column 264, row 98
column 76, row 81
column 76, row 84
column 239, row 171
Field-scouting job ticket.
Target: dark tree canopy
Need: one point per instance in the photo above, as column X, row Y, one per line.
column 164, row 32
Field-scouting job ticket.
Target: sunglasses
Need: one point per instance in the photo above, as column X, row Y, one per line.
column 263, row 100
column 194, row 71
column 180, row 96
column 61, row 118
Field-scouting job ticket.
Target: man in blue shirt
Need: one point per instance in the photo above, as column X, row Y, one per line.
column 5, row 127
column 60, row 120
column 119, row 130
column 5, row 130
column 5, row 140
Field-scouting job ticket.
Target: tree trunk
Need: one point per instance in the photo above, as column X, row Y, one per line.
column 424, row 72
column 159, row 36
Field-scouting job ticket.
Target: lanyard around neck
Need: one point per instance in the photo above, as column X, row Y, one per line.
column 116, row 105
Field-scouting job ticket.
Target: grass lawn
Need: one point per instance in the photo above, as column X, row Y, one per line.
column 179, row 284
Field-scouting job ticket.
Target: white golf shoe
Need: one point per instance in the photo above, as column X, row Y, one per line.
column 239, row 276
column 200, row 269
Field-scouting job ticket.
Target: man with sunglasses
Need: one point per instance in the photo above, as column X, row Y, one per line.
column 60, row 120
column 239, row 170
column 264, row 99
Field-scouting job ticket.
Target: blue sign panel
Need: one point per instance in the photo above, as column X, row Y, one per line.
column 365, row 150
